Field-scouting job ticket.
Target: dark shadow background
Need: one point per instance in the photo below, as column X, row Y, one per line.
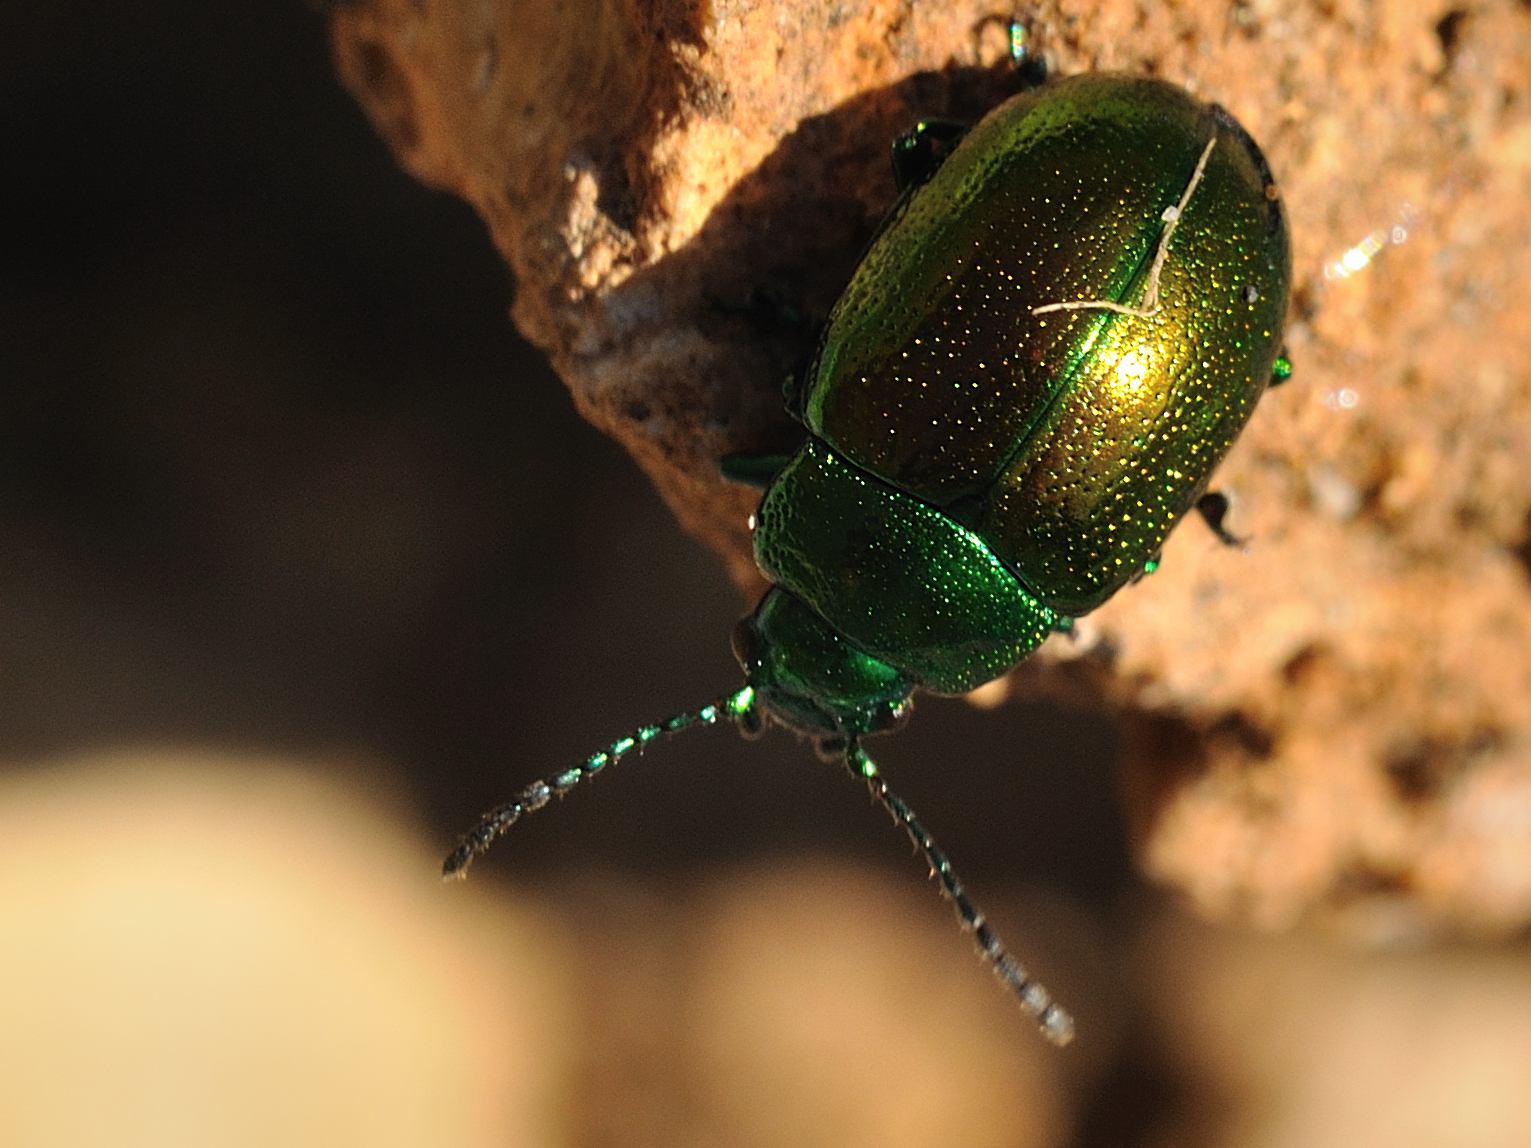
column 276, row 468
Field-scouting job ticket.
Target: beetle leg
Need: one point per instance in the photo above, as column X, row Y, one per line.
column 1282, row 370
column 779, row 319
column 1148, row 567
column 753, row 469
column 1213, row 508
column 1030, row 66
column 770, row 308
column 830, row 748
column 922, row 149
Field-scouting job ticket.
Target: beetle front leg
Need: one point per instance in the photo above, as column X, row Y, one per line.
column 919, row 152
column 757, row 469
column 1213, row 508
column 1282, row 371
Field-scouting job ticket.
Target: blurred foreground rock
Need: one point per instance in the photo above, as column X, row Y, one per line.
column 1332, row 723
column 203, row 949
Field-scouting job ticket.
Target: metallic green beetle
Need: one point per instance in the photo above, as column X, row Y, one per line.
column 1058, row 332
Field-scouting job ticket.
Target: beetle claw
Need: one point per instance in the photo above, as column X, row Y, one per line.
column 1213, row 508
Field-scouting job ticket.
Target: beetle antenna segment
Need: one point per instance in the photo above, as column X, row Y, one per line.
column 1171, row 217
column 1056, row 1024
column 738, row 707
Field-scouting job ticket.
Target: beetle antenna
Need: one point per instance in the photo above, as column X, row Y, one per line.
column 738, row 707
column 1056, row 1024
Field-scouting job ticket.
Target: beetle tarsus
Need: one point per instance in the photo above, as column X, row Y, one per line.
column 1213, row 508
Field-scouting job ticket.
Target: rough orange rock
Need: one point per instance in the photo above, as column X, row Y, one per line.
column 1332, row 722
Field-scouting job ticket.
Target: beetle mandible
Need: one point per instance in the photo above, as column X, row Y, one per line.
column 1056, row 334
